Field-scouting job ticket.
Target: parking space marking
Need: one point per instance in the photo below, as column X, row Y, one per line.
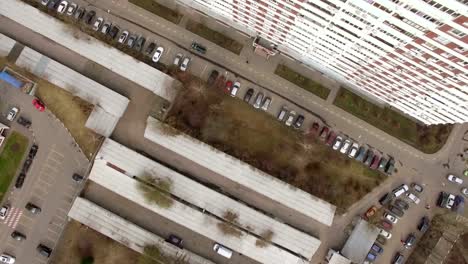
column 47, row 165
column 45, row 182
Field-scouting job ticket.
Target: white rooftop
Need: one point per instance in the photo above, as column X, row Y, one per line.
column 216, row 203
column 360, row 241
column 109, row 105
column 191, row 218
column 6, row 44
column 91, row 48
column 241, row 173
column 125, row 232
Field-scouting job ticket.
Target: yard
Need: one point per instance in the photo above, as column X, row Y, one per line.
column 159, row 10
column 80, row 245
column 215, row 37
column 307, row 84
column 10, row 159
column 258, row 139
column 428, row 139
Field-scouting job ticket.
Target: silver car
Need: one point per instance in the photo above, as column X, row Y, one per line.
column 338, row 142
column 266, row 103
column 290, row 118
column 123, row 37
column 258, row 100
column 345, row 148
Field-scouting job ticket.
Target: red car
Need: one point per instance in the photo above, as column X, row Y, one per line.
column 324, row 133
column 331, row 138
column 386, row 225
column 370, row 212
column 375, row 162
column 228, row 86
column 38, row 104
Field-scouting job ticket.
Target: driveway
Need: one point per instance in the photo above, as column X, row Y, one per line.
column 48, row 183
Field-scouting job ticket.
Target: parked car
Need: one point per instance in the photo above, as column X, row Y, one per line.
column 324, row 133
column 33, row 151
column 228, row 86
column 79, row 14
column 370, row 212
column 44, row 2
column 4, row 212
column 198, row 48
column 396, row 211
column 33, row 208
column 266, row 103
column 235, row 89
column 18, row 236
column 409, row 242
column 150, row 49
column 7, row 259
column 71, row 9
column 20, row 180
column 338, row 142
column 413, row 197
column 381, row 240
column 418, row 188
column 454, row 179
column 423, row 224
column 386, row 199
column 393, row 219
column 157, row 55
column 361, row 154
column 114, row 31
column 331, row 138
column 345, row 148
column 185, row 63
column 53, row 4
column 222, row 250
column 369, row 157
column 382, row 164
column 371, row 256
column 400, row 190
column 77, row 178
column 62, row 7
column 464, row 191
column 354, row 150
column 385, row 234
column 175, row 240
column 212, row 78
column 299, row 121
column 44, row 250
column 24, row 122
column 401, row 204
column 89, row 17
column 131, row 41
column 376, row 248
column 375, row 162
column 450, row 201
column 248, row 95
column 177, row 59
column 38, row 104
column 12, row 113
column 290, row 118
column 139, row 43
column 258, row 100
column 390, row 166
column 123, row 37
column 282, row 113
column 442, row 199
column 97, row 24
column 386, row 225
column 398, row 259
column 106, row 28
column 314, row 129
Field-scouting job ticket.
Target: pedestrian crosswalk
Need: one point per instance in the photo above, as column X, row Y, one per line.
column 13, row 217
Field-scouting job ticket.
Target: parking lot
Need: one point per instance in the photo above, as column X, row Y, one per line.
column 47, row 185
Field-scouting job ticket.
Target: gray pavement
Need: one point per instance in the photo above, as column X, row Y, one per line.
column 48, row 183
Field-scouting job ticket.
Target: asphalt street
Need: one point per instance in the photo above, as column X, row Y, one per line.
column 48, row 183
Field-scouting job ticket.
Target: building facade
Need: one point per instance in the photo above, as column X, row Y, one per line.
column 410, row 54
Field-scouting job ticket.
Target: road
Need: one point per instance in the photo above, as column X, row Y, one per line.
column 48, row 184
column 415, row 166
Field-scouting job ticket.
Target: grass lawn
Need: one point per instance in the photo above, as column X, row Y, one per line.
column 314, row 87
column 257, row 138
column 428, row 139
column 80, row 242
column 214, row 36
column 10, row 159
column 159, row 10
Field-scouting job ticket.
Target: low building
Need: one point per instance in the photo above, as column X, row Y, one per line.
column 360, row 242
column 334, row 257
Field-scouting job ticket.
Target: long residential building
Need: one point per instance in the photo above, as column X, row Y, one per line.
column 409, row 54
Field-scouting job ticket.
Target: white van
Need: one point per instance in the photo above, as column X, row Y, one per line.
column 222, row 250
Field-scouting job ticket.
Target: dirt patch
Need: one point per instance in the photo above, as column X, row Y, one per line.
column 80, row 243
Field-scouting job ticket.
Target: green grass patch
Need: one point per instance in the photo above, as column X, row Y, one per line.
column 10, row 159
column 158, row 9
column 214, row 36
column 428, row 139
column 309, row 85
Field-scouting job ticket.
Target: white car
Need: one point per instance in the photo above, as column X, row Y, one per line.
column 346, row 145
column 71, row 9
column 413, row 198
column 400, row 190
column 184, row 64
column 450, row 201
column 4, row 212
column 464, row 191
column 337, row 143
column 391, row 218
column 123, row 37
column 62, row 7
column 157, row 55
column 98, row 23
column 353, row 151
column 290, row 118
column 7, row 259
column 235, row 89
column 454, row 179
column 177, row 59
column 12, row 114
column 45, row 2
column 385, row 234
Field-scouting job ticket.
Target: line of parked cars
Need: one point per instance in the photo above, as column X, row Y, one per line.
column 26, row 165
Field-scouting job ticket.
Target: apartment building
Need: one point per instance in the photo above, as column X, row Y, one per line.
column 410, row 54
